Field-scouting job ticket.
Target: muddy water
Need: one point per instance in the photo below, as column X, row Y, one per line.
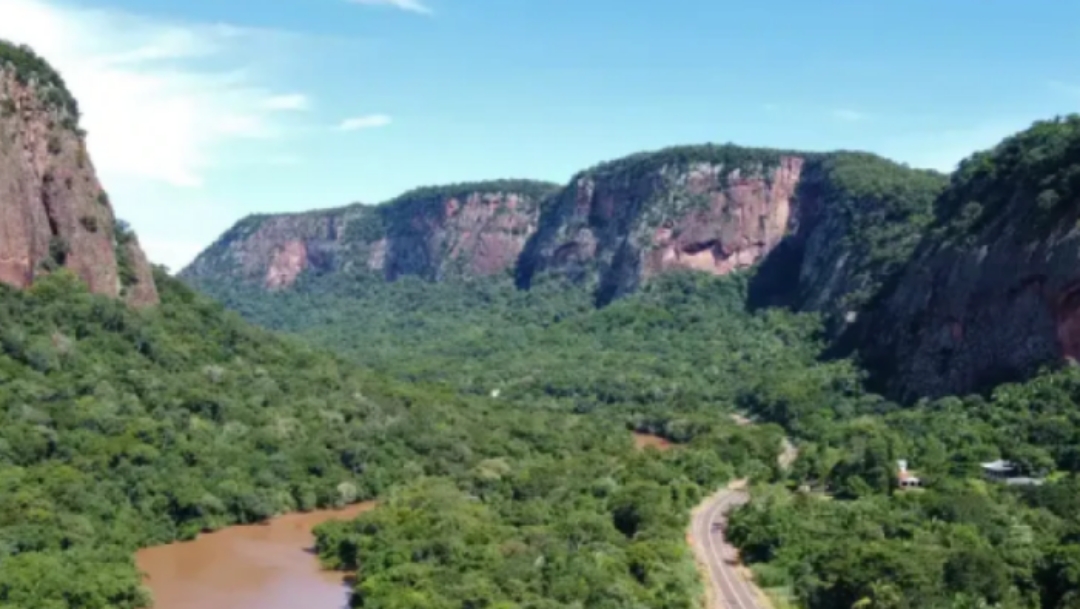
column 643, row 440
column 260, row 566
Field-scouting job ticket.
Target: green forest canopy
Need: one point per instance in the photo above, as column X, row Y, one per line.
column 492, row 423
column 672, row 359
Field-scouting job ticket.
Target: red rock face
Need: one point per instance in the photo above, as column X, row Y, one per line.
column 618, row 228
column 51, row 205
column 287, row 263
column 487, row 231
column 476, row 235
column 1067, row 320
column 273, row 251
column 746, row 217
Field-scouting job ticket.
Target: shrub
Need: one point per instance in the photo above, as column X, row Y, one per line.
column 90, row 223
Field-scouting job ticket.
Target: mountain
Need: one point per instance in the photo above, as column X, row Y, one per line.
column 827, row 226
column 461, row 230
column 53, row 211
column 122, row 427
column 940, row 285
column 992, row 292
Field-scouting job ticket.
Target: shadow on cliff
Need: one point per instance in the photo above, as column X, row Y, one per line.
column 776, row 281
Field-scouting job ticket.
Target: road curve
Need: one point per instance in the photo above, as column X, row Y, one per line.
column 728, row 588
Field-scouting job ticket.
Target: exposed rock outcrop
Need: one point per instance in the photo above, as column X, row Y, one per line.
column 825, row 228
column 274, row 250
column 813, row 221
column 462, row 230
column 711, row 208
column 53, row 211
column 474, row 232
column 991, row 294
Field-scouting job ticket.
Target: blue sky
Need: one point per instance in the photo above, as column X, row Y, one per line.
column 202, row 111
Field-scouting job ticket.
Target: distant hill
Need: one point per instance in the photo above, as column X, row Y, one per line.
column 832, row 224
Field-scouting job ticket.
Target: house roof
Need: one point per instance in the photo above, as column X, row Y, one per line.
column 999, row 466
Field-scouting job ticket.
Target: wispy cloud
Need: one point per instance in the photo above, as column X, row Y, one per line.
column 364, row 122
column 293, row 101
column 165, row 104
column 152, row 104
column 849, row 115
column 414, row 6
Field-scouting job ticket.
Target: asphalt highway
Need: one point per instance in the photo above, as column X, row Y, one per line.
column 730, row 590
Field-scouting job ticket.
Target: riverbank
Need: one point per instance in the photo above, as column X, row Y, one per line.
column 269, row 565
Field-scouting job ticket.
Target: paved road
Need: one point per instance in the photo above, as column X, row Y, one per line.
column 728, row 588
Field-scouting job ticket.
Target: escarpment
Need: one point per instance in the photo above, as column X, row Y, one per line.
column 711, row 209
column 462, row 230
column 993, row 291
column 823, row 227
column 939, row 285
column 53, row 211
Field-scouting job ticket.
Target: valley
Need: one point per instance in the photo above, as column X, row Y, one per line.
column 538, row 383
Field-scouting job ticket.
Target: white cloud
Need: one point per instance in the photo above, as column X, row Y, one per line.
column 153, row 106
column 168, row 106
column 846, row 114
column 414, row 6
column 293, row 101
column 364, row 122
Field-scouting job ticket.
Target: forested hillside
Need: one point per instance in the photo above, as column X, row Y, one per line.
column 835, row 531
column 678, row 355
column 123, row 428
column 492, row 422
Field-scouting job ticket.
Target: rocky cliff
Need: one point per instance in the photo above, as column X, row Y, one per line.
column 818, row 224
column 992, row 292
column 461, row 230
column 53, row 211
column 824, row 228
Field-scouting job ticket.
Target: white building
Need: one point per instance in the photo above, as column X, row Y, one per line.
column 906, row 478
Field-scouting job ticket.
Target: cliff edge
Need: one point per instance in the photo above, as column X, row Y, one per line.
column 461, row 230
column 53, row 211
column 992, row 292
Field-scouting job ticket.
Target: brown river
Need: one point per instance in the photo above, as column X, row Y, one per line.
column 260, row 566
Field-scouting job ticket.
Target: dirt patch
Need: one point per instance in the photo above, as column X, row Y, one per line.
column 740, row 420
column 645, row 440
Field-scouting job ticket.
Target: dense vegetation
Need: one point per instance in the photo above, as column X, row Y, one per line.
column 492, row 422
column 729, row 156
column 122, row 428
column 1040, row 165
column 669, row 360
column 883, row 210
column 581, row 528
column 534, row 190
column 682, row 340
column 29, row 68
column 958, row 542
